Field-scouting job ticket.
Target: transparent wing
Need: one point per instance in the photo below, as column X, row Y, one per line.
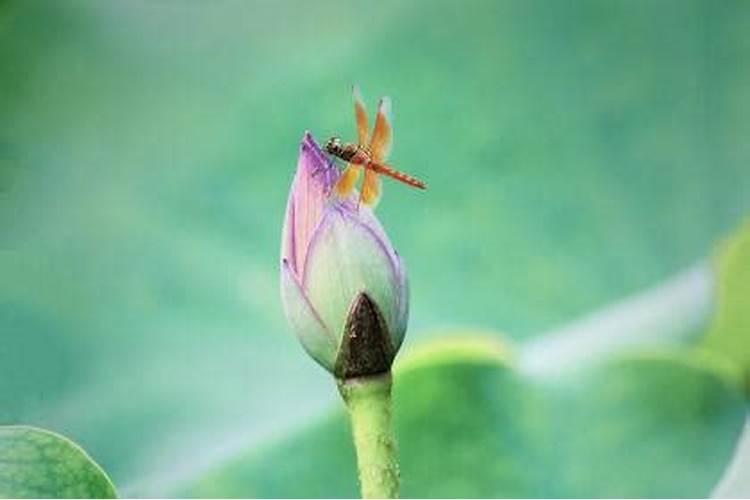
column 360, row 116
column 382, row 133
column 347, row 180
column 370, row 194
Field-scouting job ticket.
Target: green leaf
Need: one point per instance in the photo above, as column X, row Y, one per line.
column 658, row 424
column 470, row 425
column 36, row 463
column 730, row 332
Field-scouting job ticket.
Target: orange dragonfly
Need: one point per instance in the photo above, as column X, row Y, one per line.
column 369, row 157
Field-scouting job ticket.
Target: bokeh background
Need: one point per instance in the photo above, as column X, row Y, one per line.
column 576, row 153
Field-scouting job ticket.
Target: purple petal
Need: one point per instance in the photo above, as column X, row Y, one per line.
column 367, row 218
column 308, row 196
column 402, row 314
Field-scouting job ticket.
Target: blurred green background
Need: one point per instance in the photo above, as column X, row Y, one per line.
column 576, row 153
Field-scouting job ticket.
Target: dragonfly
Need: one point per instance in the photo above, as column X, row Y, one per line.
column 368, row 155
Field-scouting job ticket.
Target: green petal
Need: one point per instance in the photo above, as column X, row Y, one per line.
column 314, row 335
column 346, row 258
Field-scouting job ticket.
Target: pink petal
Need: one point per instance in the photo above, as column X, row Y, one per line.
column 308, row 196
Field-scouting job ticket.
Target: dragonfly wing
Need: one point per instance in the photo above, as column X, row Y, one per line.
column 347, row 180
column 360, row 116
column 370, row 194
column 382, row 132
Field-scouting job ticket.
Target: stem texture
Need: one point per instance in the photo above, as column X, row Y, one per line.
column 368, row 400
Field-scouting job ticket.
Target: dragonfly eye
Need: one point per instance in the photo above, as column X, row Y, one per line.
column 333, row 144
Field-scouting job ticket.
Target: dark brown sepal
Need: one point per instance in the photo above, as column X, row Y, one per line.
column 366, row 347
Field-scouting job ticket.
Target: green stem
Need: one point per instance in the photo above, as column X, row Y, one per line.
column 368, row 400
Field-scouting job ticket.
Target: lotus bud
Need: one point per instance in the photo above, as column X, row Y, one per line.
column 343, row 286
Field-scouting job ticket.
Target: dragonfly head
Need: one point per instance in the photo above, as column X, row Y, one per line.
column 333, row 145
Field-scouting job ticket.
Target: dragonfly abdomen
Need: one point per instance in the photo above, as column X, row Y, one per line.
column 395, row 174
